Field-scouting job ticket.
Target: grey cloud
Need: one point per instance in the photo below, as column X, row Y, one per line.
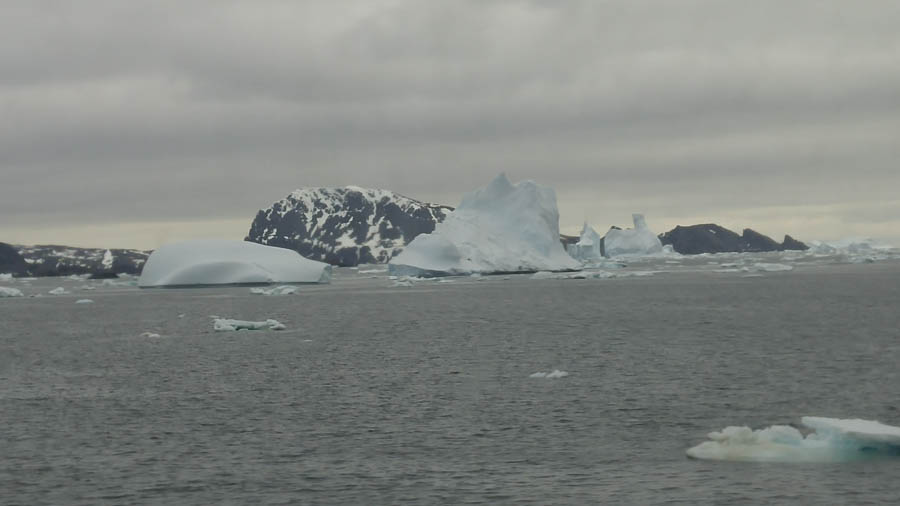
column 191, row 110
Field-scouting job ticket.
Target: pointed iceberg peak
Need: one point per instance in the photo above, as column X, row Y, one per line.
column 639, row 221
column 499, row 228
column 500, row 185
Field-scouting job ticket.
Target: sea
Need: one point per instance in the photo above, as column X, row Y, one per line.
column 397, row 391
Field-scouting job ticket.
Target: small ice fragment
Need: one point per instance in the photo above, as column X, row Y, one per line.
column 84, row 301
column 556, row 373
column 772, row 267
column 229, row 325
column 278, row 290
column 149, row 334
column 6, row 277
column 58, row 291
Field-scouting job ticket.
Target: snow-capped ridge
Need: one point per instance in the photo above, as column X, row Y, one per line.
column 344, row 226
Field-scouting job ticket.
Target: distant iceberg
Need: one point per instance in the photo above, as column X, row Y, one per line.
column 637, row 241
column 832, row 440
column 10, row 292
column 224, row 262
column 499, row 228
column 589, row 247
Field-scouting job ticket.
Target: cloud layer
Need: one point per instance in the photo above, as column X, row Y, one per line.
column 783, row 116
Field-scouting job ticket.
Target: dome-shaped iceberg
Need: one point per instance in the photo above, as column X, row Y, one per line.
column 224, row 262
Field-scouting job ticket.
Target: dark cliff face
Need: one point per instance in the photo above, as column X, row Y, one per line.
column 712, row 238
column 11, row 262
column 345, row 226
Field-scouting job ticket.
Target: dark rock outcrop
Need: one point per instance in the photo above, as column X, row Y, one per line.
column 52, row 260
column 712, row 238
column 11, row 262
column 345, row 226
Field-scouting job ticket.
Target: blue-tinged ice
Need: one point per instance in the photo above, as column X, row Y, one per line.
column 831, row 440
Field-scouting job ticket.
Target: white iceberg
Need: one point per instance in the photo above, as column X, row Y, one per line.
column 58, row 291
column 229, row 325
column 10, row 292
column 84, row 301
column 149, row 334
column 832, row 440
column 637, row 241
column 6, row 277
column 499, row 228
column 224, row 262
column 588, row 248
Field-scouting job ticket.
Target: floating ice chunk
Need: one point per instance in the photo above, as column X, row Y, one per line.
column 556, row 373
column 766, row 267
column 499, row 228
column 10, row 292
column 833, row 440
column 6, row 277
column 278, row 290
column 228, row 325
column 84, row 301
column 639, row 241
column 372, row 271
column 149, row 334
column 221, row 262
column 58, row 291
column 87, row 287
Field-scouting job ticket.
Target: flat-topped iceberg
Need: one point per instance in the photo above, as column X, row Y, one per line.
column 499, row 228
column 224, row 262
column 832, row 440
column 589, row 247
column 10, row 292
column 637, row 241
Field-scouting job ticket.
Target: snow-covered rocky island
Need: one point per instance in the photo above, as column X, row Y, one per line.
column 204, row 262
column 345, row 226
column 500, row 228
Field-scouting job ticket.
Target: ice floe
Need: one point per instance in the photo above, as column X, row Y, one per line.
column 831, row 440
column 277, row 290
column 58, row 291
column 499, row 228
column 6, row 277
column 222, row 262
column 149, row 334
column 556, row 373
column 84, row 301
column 229, row 325
column 10, row 292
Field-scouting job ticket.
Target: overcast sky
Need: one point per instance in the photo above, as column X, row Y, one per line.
column 128, row 124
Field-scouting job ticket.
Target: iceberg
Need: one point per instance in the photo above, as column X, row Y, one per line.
column 589, row 246
column 500, row 228
column 58, row 291
column 7, row 277
column 10, row 292
column 203, row 262
column 831, row 440
column 637, row 241
column 229, row 325
column 84, row 301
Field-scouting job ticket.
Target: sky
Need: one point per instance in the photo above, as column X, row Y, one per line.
column 130, row 124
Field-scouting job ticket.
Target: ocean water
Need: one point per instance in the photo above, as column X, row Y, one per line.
column 383, row 395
